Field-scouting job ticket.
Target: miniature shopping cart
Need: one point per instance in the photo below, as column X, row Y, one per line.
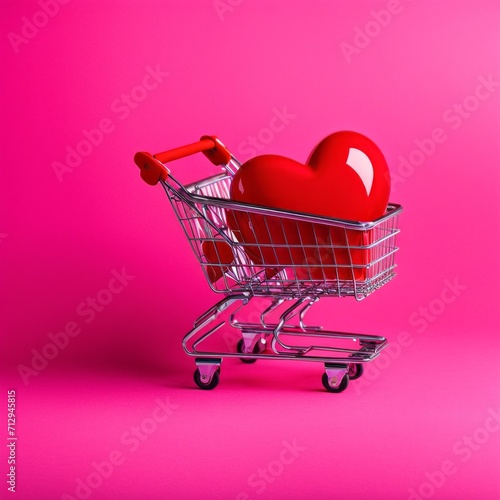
column 285, row 270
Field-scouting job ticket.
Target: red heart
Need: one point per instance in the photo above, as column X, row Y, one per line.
column 219, row 253
column 346, row 177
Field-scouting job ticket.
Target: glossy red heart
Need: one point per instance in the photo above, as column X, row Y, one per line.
column 219, row 253
column 345, row 177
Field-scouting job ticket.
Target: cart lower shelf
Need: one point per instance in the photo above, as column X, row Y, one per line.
column 343, row 354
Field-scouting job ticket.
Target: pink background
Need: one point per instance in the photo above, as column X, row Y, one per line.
column 227, row 72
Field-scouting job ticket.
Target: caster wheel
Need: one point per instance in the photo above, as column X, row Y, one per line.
column 340, row 388
column 355, row 370
column 240, row 346
column 206, row 386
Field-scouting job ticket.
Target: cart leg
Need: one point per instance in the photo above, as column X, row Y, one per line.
column 336, row 377
column 207, row 373
column 251, row 343
column 194, row 338
column 286, row 316
column 372, row 346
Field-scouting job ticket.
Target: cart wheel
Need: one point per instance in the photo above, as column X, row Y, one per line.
column 340, row 388
column 240, row 346
column 355, row 370
column 204, row 385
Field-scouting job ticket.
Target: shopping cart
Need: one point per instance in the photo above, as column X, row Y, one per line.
column 302, row 259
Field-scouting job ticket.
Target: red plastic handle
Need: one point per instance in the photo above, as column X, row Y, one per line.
column 152, row 171
column 152, row 166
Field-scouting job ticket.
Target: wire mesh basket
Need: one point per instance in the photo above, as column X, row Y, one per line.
column 294, row 255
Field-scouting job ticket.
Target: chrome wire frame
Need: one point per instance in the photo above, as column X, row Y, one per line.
column 264, row 340
column 264, row 269
column 284, row 269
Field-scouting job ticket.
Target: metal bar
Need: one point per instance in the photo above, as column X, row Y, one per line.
column 393, row 209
